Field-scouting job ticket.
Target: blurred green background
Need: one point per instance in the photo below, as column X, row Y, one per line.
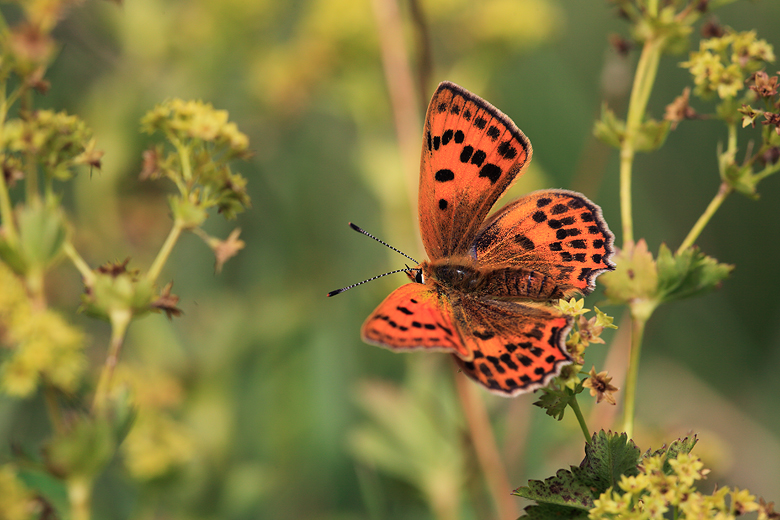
column 286, row 414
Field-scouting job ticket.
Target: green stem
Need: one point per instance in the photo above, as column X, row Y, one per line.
column 184, row 157
column 484, row 442
column 51, row 407
column 723, row 192
column 646, row 70
column 640, row 313
column 120, row 319
column 80, row 498
column 6, row 210
column 86, row 272
column 575, row 406
column 165, row 251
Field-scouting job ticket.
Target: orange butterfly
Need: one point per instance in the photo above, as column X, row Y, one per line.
column 485, row 295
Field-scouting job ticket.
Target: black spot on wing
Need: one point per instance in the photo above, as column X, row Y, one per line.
column 491, row 171
column 478, row 158
column 465, row 155
column 444, row 175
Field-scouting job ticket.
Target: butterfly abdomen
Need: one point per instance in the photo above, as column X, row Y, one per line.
column 512, row 282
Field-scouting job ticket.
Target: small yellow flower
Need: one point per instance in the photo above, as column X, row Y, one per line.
column 688, row 468
column 573, row 307
column 156, row 445
column 16, row 501
column 633, row 484
column 743, row 502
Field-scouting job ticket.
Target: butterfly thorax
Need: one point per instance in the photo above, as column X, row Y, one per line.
column 464, row 275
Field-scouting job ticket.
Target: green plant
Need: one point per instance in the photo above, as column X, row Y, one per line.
column 91, row 417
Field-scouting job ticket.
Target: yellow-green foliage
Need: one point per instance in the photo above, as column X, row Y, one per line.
column 42, row 344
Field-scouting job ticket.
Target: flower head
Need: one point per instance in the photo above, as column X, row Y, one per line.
column 600, row 386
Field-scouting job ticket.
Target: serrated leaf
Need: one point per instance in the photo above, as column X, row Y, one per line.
column 554, row 401
column 609, row 129
column 570, row 493
column 651, row 135
column 563, row 489
column 635, row 275
column 607, row 457
column 688, row 273
column 553, row 512
column 684, row 445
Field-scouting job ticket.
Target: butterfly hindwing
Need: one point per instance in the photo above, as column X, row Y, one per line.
column 471, row 154
column 516, row 348
column 414, row 316
column 557, row 233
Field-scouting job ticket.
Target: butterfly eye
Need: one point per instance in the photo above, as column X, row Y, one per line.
column 418, row 277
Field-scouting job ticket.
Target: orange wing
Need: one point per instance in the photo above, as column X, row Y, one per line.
column 558, row 233
column 471, row 154
column 516, row 348
column 414, row 317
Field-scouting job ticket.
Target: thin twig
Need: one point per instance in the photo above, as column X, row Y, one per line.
column 400, row 85
column 424, row 51
column 485, row 447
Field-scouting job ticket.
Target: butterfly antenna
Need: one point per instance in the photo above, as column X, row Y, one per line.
column 364, row 232
column 337, row 291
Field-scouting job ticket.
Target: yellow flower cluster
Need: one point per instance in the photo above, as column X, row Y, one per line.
column 59, row 140
column 16, row 501
column 157, row 443
column 195, row 120
column 585, row 332
column 655, row 492
column 42, row 344
column 721, row 65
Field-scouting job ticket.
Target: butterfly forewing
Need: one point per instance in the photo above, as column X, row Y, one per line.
column 516, row 347
column 414, row 317
column 471, row 154
column 557, row 233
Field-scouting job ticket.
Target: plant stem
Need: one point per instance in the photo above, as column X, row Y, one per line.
column 51, row 407
column 165, row 251
column 723, row 192
column 637, row 332
column 81, row 265
column 6, row 210
column 575, row 406
column 119, row 321
column 640, row 94
column 486, row 449
column 80, row 498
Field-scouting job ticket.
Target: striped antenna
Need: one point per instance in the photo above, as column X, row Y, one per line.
column 338, row 291
column 364, row 232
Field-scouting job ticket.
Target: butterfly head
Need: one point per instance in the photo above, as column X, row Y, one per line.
column 415, row 274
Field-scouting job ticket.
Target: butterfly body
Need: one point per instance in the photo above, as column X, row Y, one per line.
column 485, row 294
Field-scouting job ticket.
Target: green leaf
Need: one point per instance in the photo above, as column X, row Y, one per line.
column 51, row 489
column 634, row 277
column 84, row 450
column 651, row 135
column 684, row 445
column 554, row 401
column 553, row 512
column 609, row 129
column 688, row 273
column 564, row 489
column 570, row 493
column 607, row 457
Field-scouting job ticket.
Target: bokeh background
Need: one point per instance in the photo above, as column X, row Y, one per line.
column 279, row 410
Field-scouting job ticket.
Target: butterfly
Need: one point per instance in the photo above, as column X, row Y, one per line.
column 485, row 296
